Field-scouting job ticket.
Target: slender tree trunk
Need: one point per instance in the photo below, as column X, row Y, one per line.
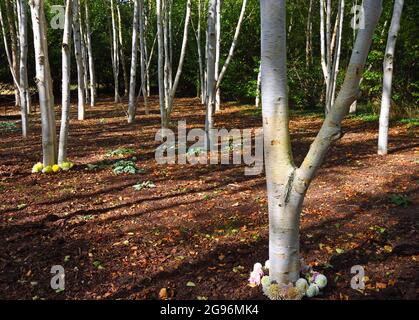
column 65, row 103
column 83, row 42
column 79, row 60
column 121, row 52
column 287, row 184
column 182, row 56
column 14, row 46
column 200, row 64
column 211, row 72
column 309, row 29
column 23, row 63
column 258, row 84
column 160, row 67
column 132, row 101
column 143, row 58
column 115, row 53
column 218, row 53
column 92, row 75
column 233, row 46
column 167, row 93
column 44, row 83
column 388, row 77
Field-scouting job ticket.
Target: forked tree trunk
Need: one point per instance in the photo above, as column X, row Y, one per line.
column 287, row 184
column 65, row 103
column 388, row 77
column 232, row 48
column 167, row 93
column 44, row 83
column 79, row 61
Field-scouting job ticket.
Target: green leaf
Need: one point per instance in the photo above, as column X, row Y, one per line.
column 190, row 284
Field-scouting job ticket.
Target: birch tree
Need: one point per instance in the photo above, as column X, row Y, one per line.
column 132, row 101
column 10, row 15
column 25, row 101
column 167, row 86
column 44, row 83
column 115, row 53
column 330, row 44
column 211, row 52
column 286, row 183
column 65, row 103
column 92, row 75
column 79, row 60
column 19, row 82
column 121, row 52
column 388, row 66
column 232, row 48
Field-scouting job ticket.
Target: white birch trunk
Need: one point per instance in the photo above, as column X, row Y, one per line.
column 143, row 58
column 258, row 83
column 92, row 75
column 23, row 62
column 83, row 42
column 44, row 82
column 79, row 61
column 160, row 67
column 388, row 66
column 121, row 52
column 182, row 56
column 10, row 14
column 287, row 184
column 65, row 103
column 115, row 53
column 211, row 72
column 218, row 53
column 132, row 99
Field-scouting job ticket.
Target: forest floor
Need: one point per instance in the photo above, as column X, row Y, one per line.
column 199, row 231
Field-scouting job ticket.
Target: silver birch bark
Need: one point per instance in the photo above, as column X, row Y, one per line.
column 309, row 28
column 44, row 82
column 143, row 58
column 258, row 83
column 92, row 75
column 65, row 103
column 287, row 184
column 132, row 101
column 115, row 53
column 23, row 63
column 10, row 15
column 121, row 52
column 168, row 90
column 211, row 75
column 83, row 42
column 79, row 61
column 388, row 77
column 198, row 43
column 160, row 67
column 218, row 53
column 182, row 56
